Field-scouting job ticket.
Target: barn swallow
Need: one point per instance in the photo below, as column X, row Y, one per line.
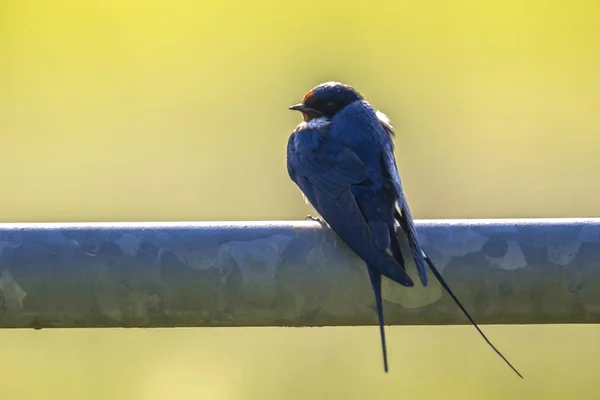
column 341, row 156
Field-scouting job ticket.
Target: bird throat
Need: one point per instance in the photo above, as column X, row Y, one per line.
column 309, row 115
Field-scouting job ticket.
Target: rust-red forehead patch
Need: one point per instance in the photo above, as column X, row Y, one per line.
column 307, row 96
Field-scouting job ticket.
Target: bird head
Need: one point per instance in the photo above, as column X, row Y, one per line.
column 326, row 100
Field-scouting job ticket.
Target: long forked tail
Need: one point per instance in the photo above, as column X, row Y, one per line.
column 442, row 281
column 375, row 277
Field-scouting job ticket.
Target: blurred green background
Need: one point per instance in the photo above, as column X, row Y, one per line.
column 153, row 110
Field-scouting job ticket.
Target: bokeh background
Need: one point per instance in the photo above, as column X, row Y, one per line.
column 177, row 110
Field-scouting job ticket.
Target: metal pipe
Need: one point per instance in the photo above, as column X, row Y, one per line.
column 80, row 275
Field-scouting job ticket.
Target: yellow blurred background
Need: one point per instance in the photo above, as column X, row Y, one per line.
column 153, row 110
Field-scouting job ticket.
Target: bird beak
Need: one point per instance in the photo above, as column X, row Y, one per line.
column 305, row 110
column 297, row 107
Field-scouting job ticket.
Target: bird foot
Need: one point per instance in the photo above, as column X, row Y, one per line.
column 316, row 219
column 311, row 218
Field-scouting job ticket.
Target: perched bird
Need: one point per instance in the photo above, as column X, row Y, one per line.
column 342, row 159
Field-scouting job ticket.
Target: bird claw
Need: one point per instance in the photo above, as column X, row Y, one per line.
column 316, row 219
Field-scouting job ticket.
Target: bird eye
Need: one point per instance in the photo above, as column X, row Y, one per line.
column 330, row 104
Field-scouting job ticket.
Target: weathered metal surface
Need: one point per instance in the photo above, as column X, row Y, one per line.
column 290, row 274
